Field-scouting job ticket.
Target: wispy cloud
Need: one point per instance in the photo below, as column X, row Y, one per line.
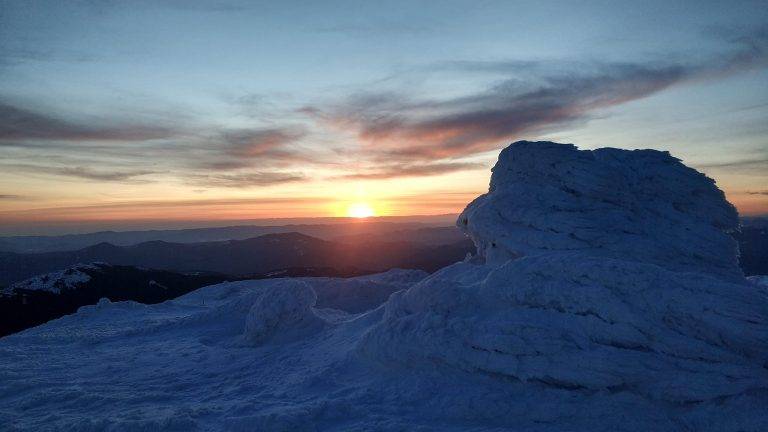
column 379, row 28
column 9, row 197
column 242, row 148
column 82, row 172
column 110, row 176
column 397, row 125
column 397, row 171
column 17, row 123
column 245, row 180
column 762, row 192
column 12, row 56
column 209, row 155
column 759, row 164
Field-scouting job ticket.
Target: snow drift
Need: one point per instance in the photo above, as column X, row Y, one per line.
column 605, row 295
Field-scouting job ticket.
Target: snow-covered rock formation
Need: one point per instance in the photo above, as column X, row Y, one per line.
column 606, row 271
column 642, row 205
column 605, row 296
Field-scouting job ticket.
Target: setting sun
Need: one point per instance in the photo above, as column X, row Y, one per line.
column 360, row 210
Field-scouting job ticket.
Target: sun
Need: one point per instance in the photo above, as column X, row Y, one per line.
column 360, row 210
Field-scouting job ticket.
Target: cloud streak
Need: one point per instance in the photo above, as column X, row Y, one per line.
column 242, row 148
column 246, row 180
column 398, row 171
column 81, row 172
column 17, row 123
column 398, row 126
column 218, row 158
column 759, row 165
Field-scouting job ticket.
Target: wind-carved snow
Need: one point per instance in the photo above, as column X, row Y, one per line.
column 605, row 296
column 641, row 205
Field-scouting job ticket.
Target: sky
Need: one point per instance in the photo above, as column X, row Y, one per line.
column 183, row 113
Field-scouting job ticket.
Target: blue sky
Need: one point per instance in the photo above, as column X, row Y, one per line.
column 164, row 104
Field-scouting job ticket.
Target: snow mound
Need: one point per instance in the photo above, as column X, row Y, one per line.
column 57, row 281
column 641, row 205
column 284, row 310
column 363, row 293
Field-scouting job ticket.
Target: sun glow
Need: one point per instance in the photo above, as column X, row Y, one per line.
column 360, row 210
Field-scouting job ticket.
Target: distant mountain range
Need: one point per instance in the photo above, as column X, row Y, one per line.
column 325, row 231
column 363, row 246
column 243, row 257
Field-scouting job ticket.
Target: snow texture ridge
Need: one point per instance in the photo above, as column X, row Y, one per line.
column 605, row 296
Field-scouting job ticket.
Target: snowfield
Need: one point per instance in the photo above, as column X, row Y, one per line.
column 605, row 296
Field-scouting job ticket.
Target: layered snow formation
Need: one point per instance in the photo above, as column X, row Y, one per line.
column 643, row 206
column 58, row 281
column 604, row 297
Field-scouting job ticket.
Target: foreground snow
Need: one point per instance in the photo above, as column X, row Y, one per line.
column 605, row 297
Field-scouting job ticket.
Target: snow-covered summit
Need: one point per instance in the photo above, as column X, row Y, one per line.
column 55, row 282
column 641, row 205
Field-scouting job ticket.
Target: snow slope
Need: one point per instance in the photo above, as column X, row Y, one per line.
column 605, row 296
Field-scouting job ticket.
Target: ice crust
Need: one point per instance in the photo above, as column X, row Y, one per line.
column 605, row 296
